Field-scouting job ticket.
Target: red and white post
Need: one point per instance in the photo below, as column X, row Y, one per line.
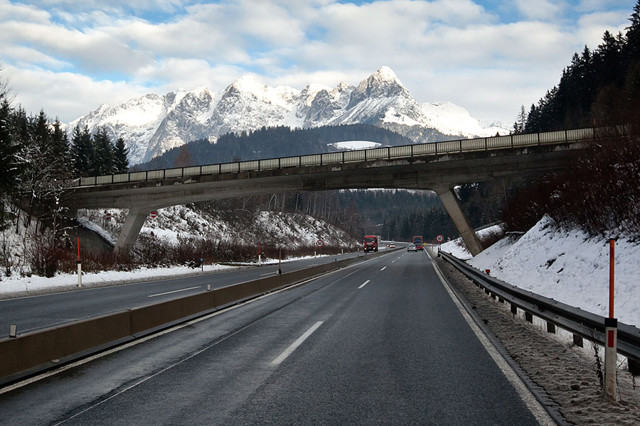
column 79, row 265
column 611, row 334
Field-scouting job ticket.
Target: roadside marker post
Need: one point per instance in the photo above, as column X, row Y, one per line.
column 79, row 265
column 611, row 334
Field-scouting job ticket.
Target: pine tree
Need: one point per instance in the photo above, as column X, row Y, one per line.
column 103, row 159
column 521, row 121
column 120, row 157
column 82, row 151
column 10, row 164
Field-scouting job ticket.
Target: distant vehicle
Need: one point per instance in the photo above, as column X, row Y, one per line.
column 392, row 245
column 417, row 241
column 412, row 247
column 370, row 243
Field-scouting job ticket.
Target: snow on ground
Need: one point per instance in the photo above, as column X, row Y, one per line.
column 16, row 285
column 170, row 224
column 567, row 266
column 354, row 145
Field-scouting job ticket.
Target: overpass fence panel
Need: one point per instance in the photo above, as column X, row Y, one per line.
column 120, row 178
column 249, row 165
column 552, row 137
column 499, row 142
column 269, row 164
column 448, row 147
column 373, row 154
column 289, row 162
column 400, row 151
column 173, row 173
column 353, row 156
column 424, row 149
column 192, row 171
column 332, row 158
column 311, row 160
column 525, row 140
column 479, row 144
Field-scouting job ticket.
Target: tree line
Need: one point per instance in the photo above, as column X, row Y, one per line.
column 269, row 142
column 36, row 156
column 601, row 87
column 600, row 193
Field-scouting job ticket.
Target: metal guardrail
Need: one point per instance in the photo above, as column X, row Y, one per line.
column 342, row 157
column 577, row 321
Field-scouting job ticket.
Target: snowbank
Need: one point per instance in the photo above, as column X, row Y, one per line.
column 567, row 266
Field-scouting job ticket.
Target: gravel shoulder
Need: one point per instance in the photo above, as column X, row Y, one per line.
column 566, row 374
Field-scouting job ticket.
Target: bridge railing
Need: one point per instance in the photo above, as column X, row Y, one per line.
column 373, row 154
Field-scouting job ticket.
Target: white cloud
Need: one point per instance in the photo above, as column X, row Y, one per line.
column 541, row 9
column 440, row 49
column 63, row 95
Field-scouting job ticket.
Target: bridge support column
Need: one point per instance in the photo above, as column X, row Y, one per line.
column 130, row 230
column 452, row 205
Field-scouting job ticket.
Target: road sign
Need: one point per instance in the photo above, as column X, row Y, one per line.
column 439, row 238
column 153, row 215
column 319, row 243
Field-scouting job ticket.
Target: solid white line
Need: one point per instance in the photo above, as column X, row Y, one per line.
column 525, row 394
column 295, row 344
column 174, row 291
column 383, row 268
column 363, row 284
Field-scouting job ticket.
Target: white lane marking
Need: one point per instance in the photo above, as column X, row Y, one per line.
column 383, row 268
column 174, row 291
column 363, row 284
column 269, row 273
column 525, row 394
column 296, row 344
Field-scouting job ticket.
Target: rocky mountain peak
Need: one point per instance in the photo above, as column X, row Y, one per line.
column 381, row 84
column 152, row 124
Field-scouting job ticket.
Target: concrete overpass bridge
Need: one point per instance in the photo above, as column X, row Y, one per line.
column 435, row 166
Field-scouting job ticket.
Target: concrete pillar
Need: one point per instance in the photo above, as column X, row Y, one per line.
column 130, row 230
column 452, row 205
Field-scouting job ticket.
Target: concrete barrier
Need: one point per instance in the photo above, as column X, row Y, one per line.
column 36, row 351
column 148, row 318
column 54, row 345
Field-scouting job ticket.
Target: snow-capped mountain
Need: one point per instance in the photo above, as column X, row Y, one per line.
column 153, row 124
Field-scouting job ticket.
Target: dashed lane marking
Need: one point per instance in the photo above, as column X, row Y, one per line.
column 296, row 344
column 364, row 283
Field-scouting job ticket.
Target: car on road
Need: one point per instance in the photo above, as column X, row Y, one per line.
column 412, row 247
column 392, row 245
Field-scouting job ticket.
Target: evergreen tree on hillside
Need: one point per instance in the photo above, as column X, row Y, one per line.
column 10, row 164
column 103, row 158
column 600, row 87
column 120, row 157
column 82, row 151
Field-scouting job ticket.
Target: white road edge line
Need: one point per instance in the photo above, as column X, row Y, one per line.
column 296, row 344
column 364, row 283
column 527, row 397
column 174, row 291
column 383, row 268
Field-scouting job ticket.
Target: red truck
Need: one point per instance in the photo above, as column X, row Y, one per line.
column 370, row 243
column 417, row 241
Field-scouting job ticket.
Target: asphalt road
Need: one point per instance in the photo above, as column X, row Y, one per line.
column 46, row 310
column 377, row 342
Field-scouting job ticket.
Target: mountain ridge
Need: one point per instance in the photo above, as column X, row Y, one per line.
column 153, row 124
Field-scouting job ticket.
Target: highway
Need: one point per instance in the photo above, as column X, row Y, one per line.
column 381, row 341
column 46, row 310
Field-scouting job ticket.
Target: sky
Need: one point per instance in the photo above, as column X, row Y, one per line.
column 491, row 57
